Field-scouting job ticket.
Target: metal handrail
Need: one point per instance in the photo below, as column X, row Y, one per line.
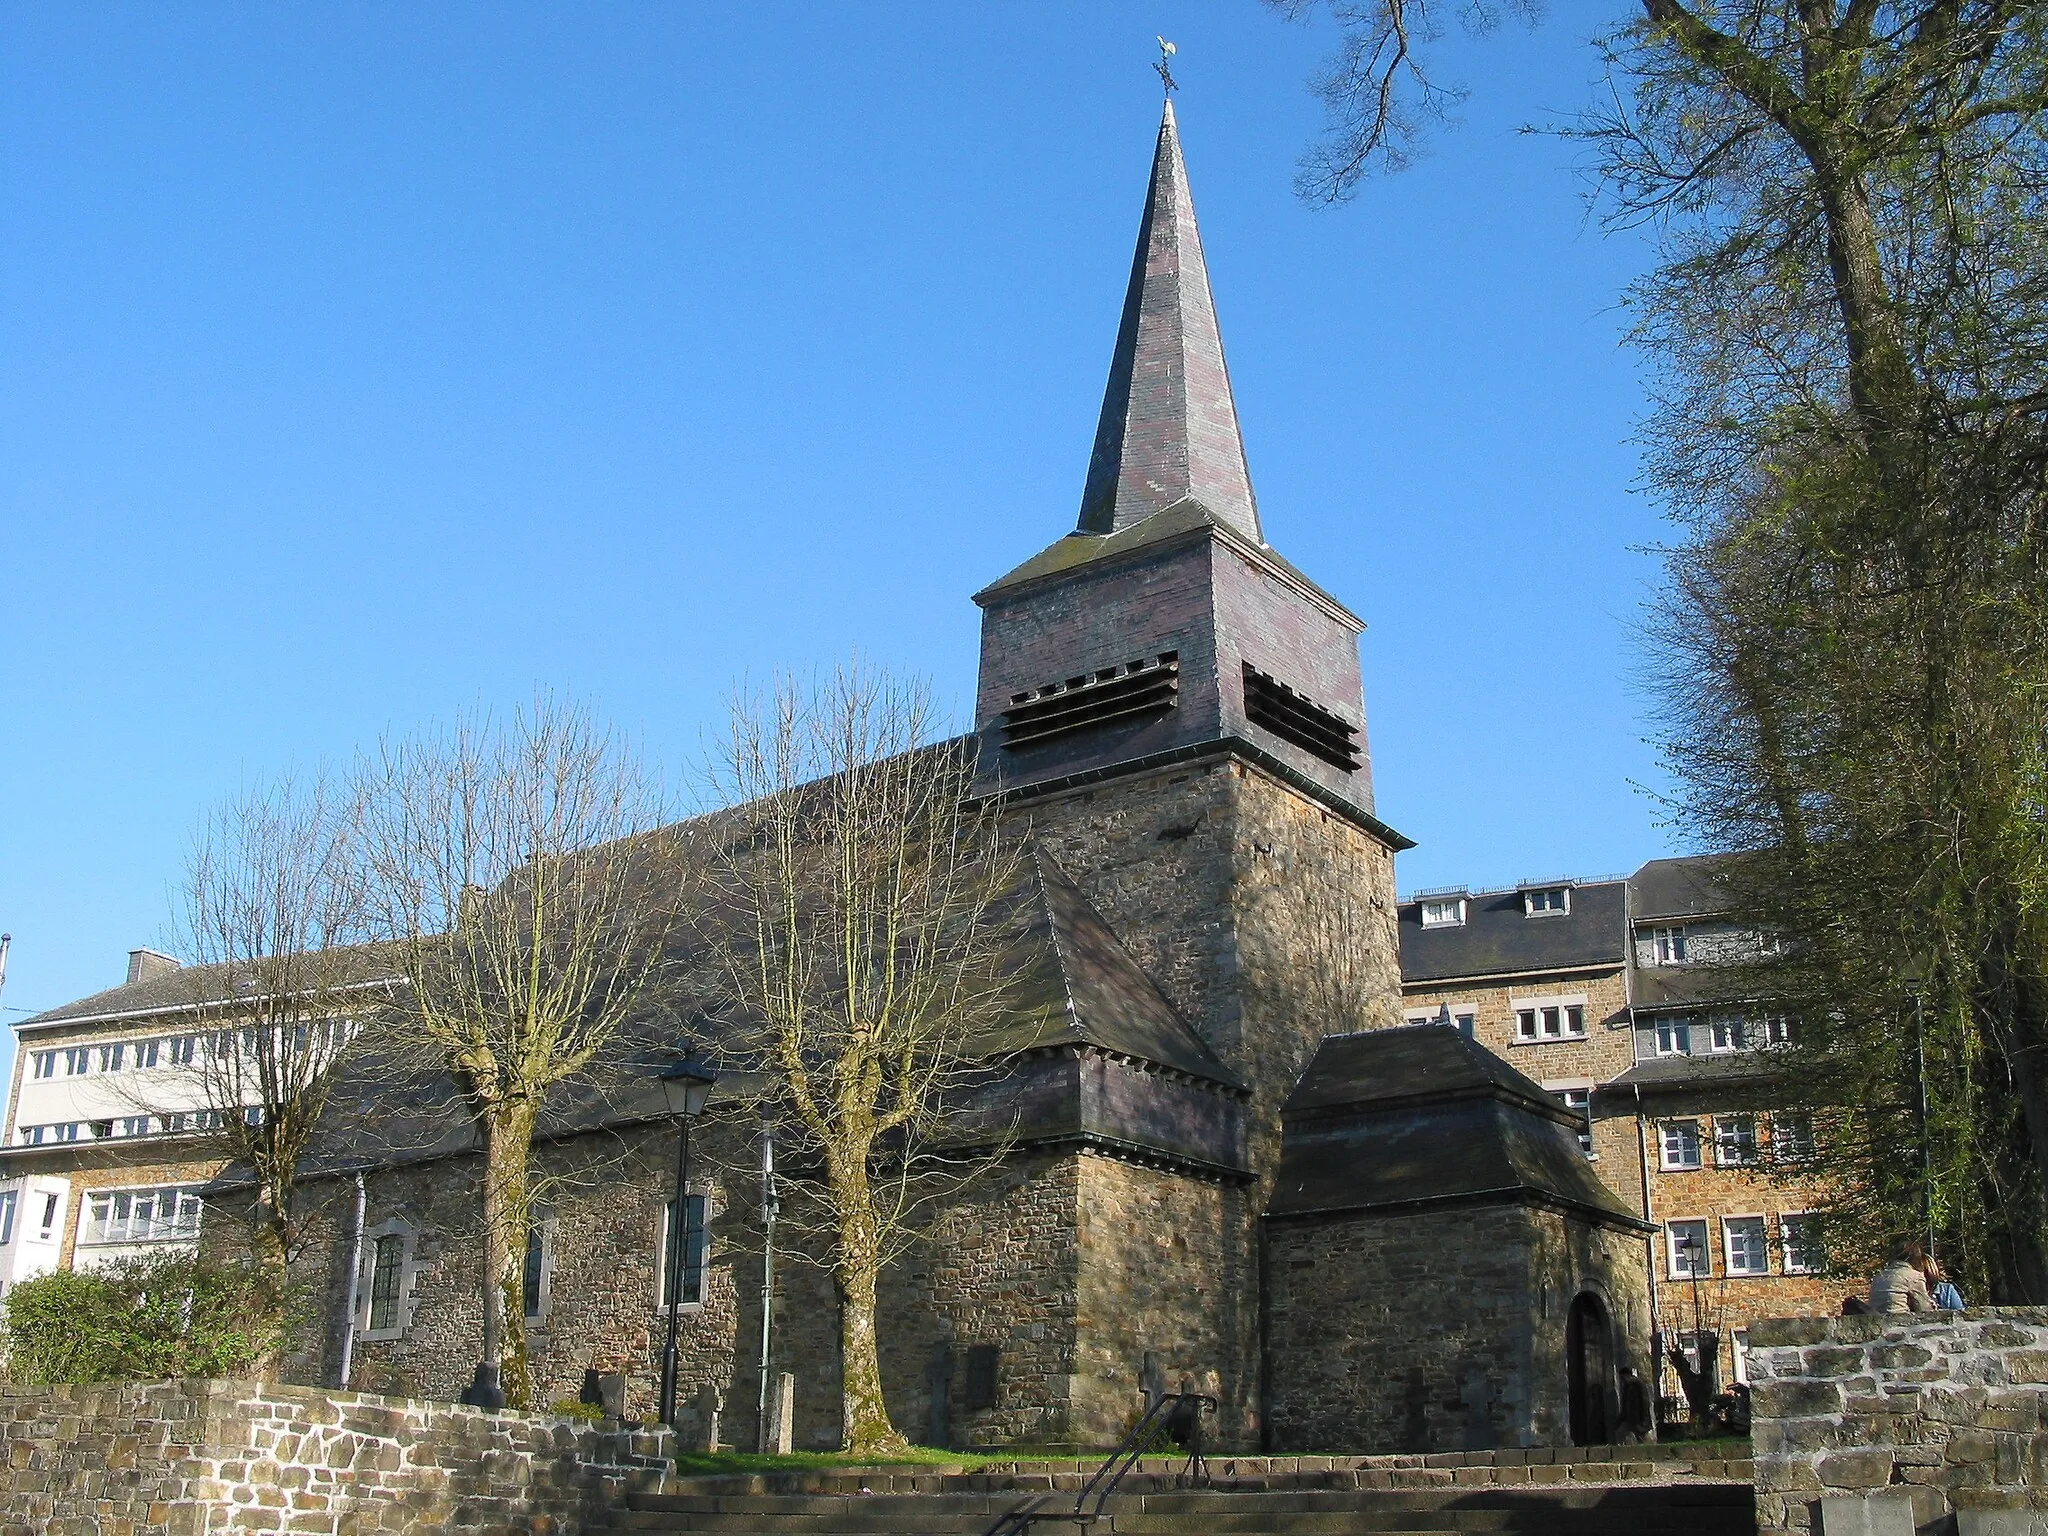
column 1129, row 1450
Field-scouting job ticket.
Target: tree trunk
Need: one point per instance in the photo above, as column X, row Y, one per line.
column 508, row 1144
column 273, row 1265
column 866, row 1416
column 863, row 1412
column 1882, row 388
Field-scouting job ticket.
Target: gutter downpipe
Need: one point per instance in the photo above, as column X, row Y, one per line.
column 771, row 1206
column 1628, row 982
column 355, row 1271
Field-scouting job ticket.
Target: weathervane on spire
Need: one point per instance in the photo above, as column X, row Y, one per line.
column 1166, row 53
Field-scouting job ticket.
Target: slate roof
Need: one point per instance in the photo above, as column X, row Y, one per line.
column 1692, row 1071
column 1077, row 986
column 1678, row 887
column 1083, row 988
column 1665, row 988
column 1496, row 939
column 1420, row 1116
column 192, row 986
column 1169, row 427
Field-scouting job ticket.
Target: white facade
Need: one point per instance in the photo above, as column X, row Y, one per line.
column 34, row 1210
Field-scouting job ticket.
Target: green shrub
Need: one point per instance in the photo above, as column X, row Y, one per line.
column 576, row 1408
column 140, row 1320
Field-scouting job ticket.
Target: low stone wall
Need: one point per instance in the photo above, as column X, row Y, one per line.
column 183, row 1458
column 1948, row 1409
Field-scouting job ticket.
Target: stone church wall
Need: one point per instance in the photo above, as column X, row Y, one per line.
column 1437, row 1330
column 1162, row 1274
column 998, row 1269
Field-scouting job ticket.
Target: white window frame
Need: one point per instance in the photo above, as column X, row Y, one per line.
column 661, row 1221
column 1762, row 1231
column 1776, row 1029
column 1667, row 944
column 1531, row 894
column 1582, row 1089
column 1791, row 1136
column 1726, row 1033
column 1739, row 1354
column 1665, row 1162
column 1806, row 1264
column 10, row 1206
column 408, row 1276
column 1464, row 1017
column 42, row 1065
column 1671, row 1248
column 1674, row 1035
column 1450, row 911
column 53, row 1216
column 111, row 1218
column 1723, row 1126
column 1535, row 1016
column 543, row 1223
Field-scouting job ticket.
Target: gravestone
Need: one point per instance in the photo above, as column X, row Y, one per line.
column 1152, row 1378
column 710, row 1408
column 782, row 1426
column 611, row 1394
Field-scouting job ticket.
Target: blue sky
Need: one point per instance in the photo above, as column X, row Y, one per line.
column 362, row 363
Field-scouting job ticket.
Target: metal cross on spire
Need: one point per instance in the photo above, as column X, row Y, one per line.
column 1166, row 53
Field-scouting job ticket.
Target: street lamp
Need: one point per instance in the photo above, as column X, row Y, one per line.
column 685, row 1087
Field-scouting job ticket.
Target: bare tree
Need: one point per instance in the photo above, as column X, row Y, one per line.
column 520, row 872
column 864, row 929
column 272, row 914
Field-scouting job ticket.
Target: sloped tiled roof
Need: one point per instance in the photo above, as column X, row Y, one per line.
column 1496, row 939
column 1418, row 1116
column 1684, row 887
column 1168, row 428
column 1084, row 988
column 198, row 986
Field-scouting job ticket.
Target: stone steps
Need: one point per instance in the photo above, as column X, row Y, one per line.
column 1669, row 1509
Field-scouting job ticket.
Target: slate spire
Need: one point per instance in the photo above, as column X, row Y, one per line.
column 1169, row 425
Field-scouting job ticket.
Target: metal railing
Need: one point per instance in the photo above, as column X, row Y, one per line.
column 1174, row 1416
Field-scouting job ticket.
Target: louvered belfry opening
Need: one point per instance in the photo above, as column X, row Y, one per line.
column 1127, row 692
column 1291, row 717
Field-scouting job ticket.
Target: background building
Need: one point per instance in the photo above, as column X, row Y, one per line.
column 1628, row 999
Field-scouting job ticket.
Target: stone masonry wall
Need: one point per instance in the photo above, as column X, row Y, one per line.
column 1947, row 1408
column 183, row 1458
column 996, row 1270
column 1437, row 1330
column 1269, row 922
column 1160, row 1264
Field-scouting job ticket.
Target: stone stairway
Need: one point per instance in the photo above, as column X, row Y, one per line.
column 1659, row 1492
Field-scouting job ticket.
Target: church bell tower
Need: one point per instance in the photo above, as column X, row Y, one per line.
column 1164, row 628
column 1176, row 713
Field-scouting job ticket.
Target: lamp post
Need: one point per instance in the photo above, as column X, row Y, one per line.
column 686, row 1088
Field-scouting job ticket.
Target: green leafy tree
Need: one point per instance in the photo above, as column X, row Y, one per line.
column 1851, row 331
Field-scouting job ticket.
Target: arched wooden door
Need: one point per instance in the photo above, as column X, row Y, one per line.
column 1589, row 1364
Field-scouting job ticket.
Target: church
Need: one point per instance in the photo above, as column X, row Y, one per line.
column 1239, row 1169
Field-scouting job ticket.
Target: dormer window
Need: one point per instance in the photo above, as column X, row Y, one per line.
column 1668, row 945
column 1546, row 901
column 1443, row 911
